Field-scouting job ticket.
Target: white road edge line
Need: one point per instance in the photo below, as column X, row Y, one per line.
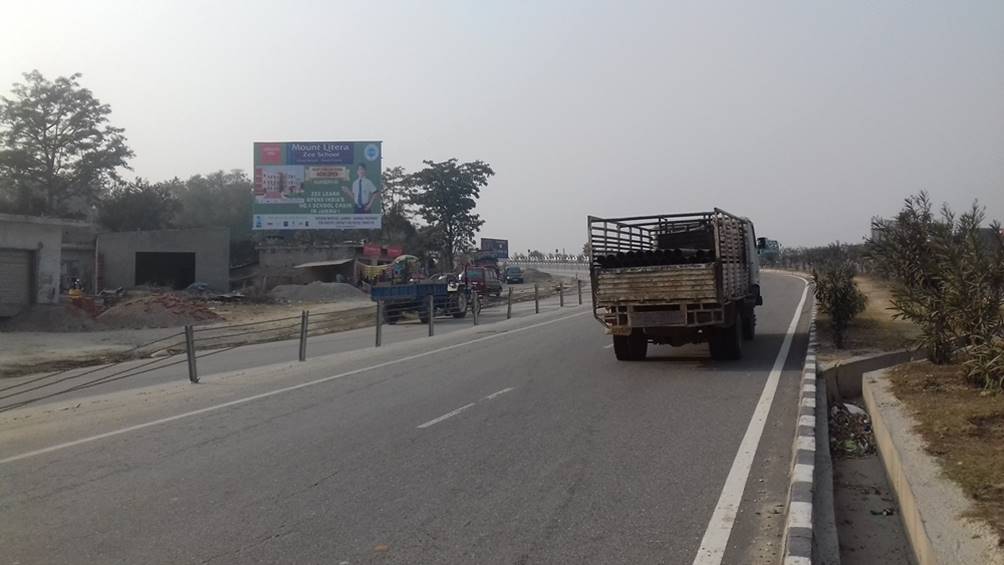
column 716, row 536
column 449, row 414
column 608, row 346
column 278, row 391
column 499, row 393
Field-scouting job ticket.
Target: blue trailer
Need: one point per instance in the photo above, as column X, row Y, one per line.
column 449, row 298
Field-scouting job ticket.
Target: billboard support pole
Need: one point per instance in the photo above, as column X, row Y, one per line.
column 508, row 308
column 536, row 299
column 379, row 321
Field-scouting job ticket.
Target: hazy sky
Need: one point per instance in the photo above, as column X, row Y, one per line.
column 809, row 117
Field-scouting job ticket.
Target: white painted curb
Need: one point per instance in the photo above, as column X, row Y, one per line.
column 798, row 524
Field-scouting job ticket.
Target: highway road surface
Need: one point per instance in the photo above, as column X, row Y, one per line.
column 518, row 442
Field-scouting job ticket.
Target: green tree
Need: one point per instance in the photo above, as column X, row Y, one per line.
column 396, row 191
column 838, row 294
column 139, row 206
column 446, row 194
column 217, row 199
column 58, row 153
column 947, row 275
column 398, row 229
column 908, row 251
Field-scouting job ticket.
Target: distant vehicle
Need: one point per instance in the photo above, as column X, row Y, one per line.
column 675, row 279
column 514, row 275
column 770, row 249
column 482, row 280
column 403, row 287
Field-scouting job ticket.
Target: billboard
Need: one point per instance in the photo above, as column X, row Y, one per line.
column 317, row 185
column 498, row 247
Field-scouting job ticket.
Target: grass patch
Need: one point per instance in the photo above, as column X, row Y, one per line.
column 872, row 331
column 962, row 427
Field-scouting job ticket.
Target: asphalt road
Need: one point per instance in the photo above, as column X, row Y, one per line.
column 521, row 442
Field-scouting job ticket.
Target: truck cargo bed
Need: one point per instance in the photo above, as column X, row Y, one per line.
column 663, row 284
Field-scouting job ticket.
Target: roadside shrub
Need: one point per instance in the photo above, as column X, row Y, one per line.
column 985, row 366
column 838, row 295
column 947, row 275
column 974, row 279
column 910, row 251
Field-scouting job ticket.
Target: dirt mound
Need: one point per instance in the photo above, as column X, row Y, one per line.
column 156, row 311
column 318, row 291
column 50, row 318
column 532, row 275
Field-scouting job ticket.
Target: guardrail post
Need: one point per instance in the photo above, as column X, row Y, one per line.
column 379, row 321
column 193, row 374
column 508, row 307
column 477, row 307
column 561, row 294
column 579, row 282
column 536, row 299
column 303, row 335
column 432, row 312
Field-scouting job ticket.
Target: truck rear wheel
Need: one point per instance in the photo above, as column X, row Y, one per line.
column 632, row 347
column 726, row 344
column 749, row 324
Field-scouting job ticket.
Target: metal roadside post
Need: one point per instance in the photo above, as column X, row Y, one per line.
column 193, row 374
column 536, row 299
column 379, row 321
column 508, row 307
column 578, row 281
column 561, row 295
column 477, row 308
column 303, row 335
column 432, row 317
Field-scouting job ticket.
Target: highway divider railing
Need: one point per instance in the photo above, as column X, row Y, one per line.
column 471, row 306
column 199, row 341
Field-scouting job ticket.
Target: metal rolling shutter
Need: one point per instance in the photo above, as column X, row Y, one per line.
column 15, row 280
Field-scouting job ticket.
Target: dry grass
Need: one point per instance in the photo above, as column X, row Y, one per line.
column 872, row 331
column 962, row 427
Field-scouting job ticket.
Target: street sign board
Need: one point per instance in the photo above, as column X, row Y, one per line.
column 317, row 185
column 500, row 247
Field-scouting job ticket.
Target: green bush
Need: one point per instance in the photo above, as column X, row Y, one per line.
column 838, row 295
column 909, row 251
column 985, row 365
column 947, row 275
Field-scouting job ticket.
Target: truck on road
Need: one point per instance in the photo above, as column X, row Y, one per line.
column 675, row 279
